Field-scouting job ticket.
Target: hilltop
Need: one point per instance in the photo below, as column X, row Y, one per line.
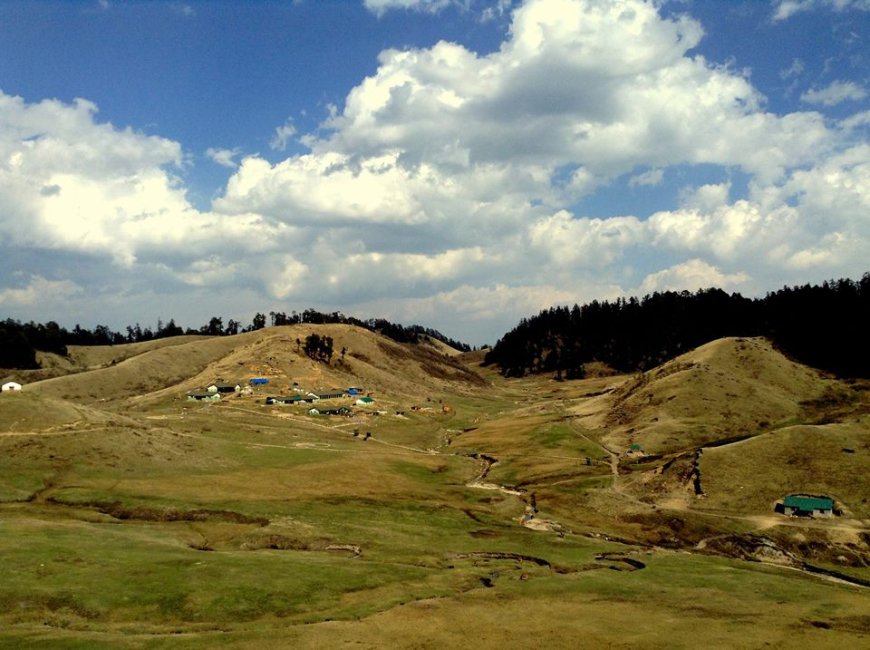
column 172, row 366
column 51, row 349
column 823, row 326
column 729, row 388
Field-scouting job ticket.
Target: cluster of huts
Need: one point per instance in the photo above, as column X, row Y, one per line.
column 316, row 400
column 214, row 391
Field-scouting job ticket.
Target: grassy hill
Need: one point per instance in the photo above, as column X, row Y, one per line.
column 131, row 517
column 729, row 388
column 824, row 459
column 179, row 364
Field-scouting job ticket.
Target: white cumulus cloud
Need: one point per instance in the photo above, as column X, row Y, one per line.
column 379, row 7
column 835, row 93
column 448, row 175
column 785, row 9
column 282, row 136
column 39, row 289
column 691, row 275
column 72, row 183
column 224, row 157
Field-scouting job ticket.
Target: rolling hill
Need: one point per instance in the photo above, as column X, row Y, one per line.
column 157, row 369
column 732, row 387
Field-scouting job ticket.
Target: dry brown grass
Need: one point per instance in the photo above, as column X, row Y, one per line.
column 155, row 367
column 750, row 476
column 549, row 620
column 157, row 370
column 730, row 387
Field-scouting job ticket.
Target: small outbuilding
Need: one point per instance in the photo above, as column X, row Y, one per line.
column 804, row 505
column 288, row 399
column 203, row 396
column 329, row 410
column 335, row 393
column 10, row 386
column 225, row 387
column 365, row 401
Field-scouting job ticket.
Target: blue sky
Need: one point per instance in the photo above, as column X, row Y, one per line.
column 460, row 164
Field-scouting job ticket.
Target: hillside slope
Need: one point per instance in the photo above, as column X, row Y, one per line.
column 138, row 372
column 158, row 370
column 826, row 459
column 370, row 361
column 728, row 388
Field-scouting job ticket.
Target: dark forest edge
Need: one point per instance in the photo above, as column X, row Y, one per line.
column 826, row 327
column 19, row 342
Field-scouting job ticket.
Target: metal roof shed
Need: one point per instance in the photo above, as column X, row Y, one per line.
column 804, row 505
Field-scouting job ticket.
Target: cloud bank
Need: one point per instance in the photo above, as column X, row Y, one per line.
column 460, row 189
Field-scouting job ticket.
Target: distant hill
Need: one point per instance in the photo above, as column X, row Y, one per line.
column 823, row 326
column 170, row 367
column 726, row 389
column 32, row 346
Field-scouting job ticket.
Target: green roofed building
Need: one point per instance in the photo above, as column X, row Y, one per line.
column 288, row 399
column 803, row 505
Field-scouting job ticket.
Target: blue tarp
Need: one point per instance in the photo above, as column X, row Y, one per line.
column 259, row 380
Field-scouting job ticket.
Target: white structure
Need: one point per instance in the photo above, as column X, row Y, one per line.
column 224, row 387
column 10, row 386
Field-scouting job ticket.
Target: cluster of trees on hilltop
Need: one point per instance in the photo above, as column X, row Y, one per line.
column 395, row 331
column 20, row 341
column 823, row 326
column 16, row 343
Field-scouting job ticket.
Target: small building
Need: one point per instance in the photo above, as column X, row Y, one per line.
column 335, row 393
column 288, row 399
column 635, row 451
column 225, row 387
column 329, row 410
column 805, row 505
column 258, row 381
column 365, row 401
column 203, row 396
column 10, row 386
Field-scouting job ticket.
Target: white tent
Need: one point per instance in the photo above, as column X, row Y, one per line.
column 11, row 385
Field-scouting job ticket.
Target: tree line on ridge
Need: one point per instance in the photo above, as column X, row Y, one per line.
column 824, row 326
column 19, row 341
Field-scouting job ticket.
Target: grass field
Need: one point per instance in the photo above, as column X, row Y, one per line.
column 132, row 518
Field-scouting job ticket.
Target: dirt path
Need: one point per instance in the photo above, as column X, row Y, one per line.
column 763, row 522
